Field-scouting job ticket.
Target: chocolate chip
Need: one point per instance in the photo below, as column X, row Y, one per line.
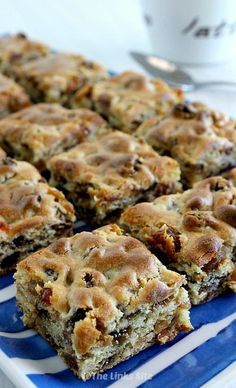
column 120, row 336
column 43, row 313
column 79, row 315
column 88, row 278
column 10, row 261
column 185, row 110
column 137, row 164
column 19, row 241
column 46, row 175
column 51, row 273
column 39, row 198
column 218, row 186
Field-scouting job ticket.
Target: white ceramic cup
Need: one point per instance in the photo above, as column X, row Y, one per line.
column 195, row 32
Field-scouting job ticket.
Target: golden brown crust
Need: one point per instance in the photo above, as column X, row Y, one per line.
column 231, row 283
column 195, row 229
column 100, row 276
column 43, row 130
column 224, row 125
column 113, row 171
column 196, row 137
column 28, row 207
column 130, row 98
column 231, row 175
column 117, row 263
column 18, row 49
column 12, row 97
column 63, row 78
column 26, row 199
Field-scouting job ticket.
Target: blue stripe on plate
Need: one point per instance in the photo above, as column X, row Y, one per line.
column 192, row 370
column 10, row 317
column 213, row 311
column 201, row 364
column 34, row 347
column 207, row 313
column 216, row 310
column 65, row 379
column 6, row 280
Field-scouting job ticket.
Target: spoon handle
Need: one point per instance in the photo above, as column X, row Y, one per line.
column 200, row 85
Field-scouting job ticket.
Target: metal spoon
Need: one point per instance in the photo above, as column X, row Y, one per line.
column 173, row 74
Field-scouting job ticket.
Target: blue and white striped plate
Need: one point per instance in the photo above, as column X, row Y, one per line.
column 190, row 360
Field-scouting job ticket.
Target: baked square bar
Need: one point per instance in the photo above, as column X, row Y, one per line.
column 32, row 214
column 62, row 77
column 99, row 298
column 201, row 141
column 195, row 233
column 130, row 98
column 12, row 97
column 18, row 49
column 43, row 130
column 105, row 175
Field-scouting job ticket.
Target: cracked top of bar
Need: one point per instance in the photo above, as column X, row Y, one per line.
column 203, row 141
column 42, row 130
column 101, row 275
column 196, row 227
column 12, row 96
column 18, row 49
column 27, row 201
column 130, row 98
column 61, row 77
column 114, row 167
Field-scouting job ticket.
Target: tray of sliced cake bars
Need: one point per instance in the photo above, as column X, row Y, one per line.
column 117, row 226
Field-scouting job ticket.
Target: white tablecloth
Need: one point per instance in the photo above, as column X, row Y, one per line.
column 106, row 31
